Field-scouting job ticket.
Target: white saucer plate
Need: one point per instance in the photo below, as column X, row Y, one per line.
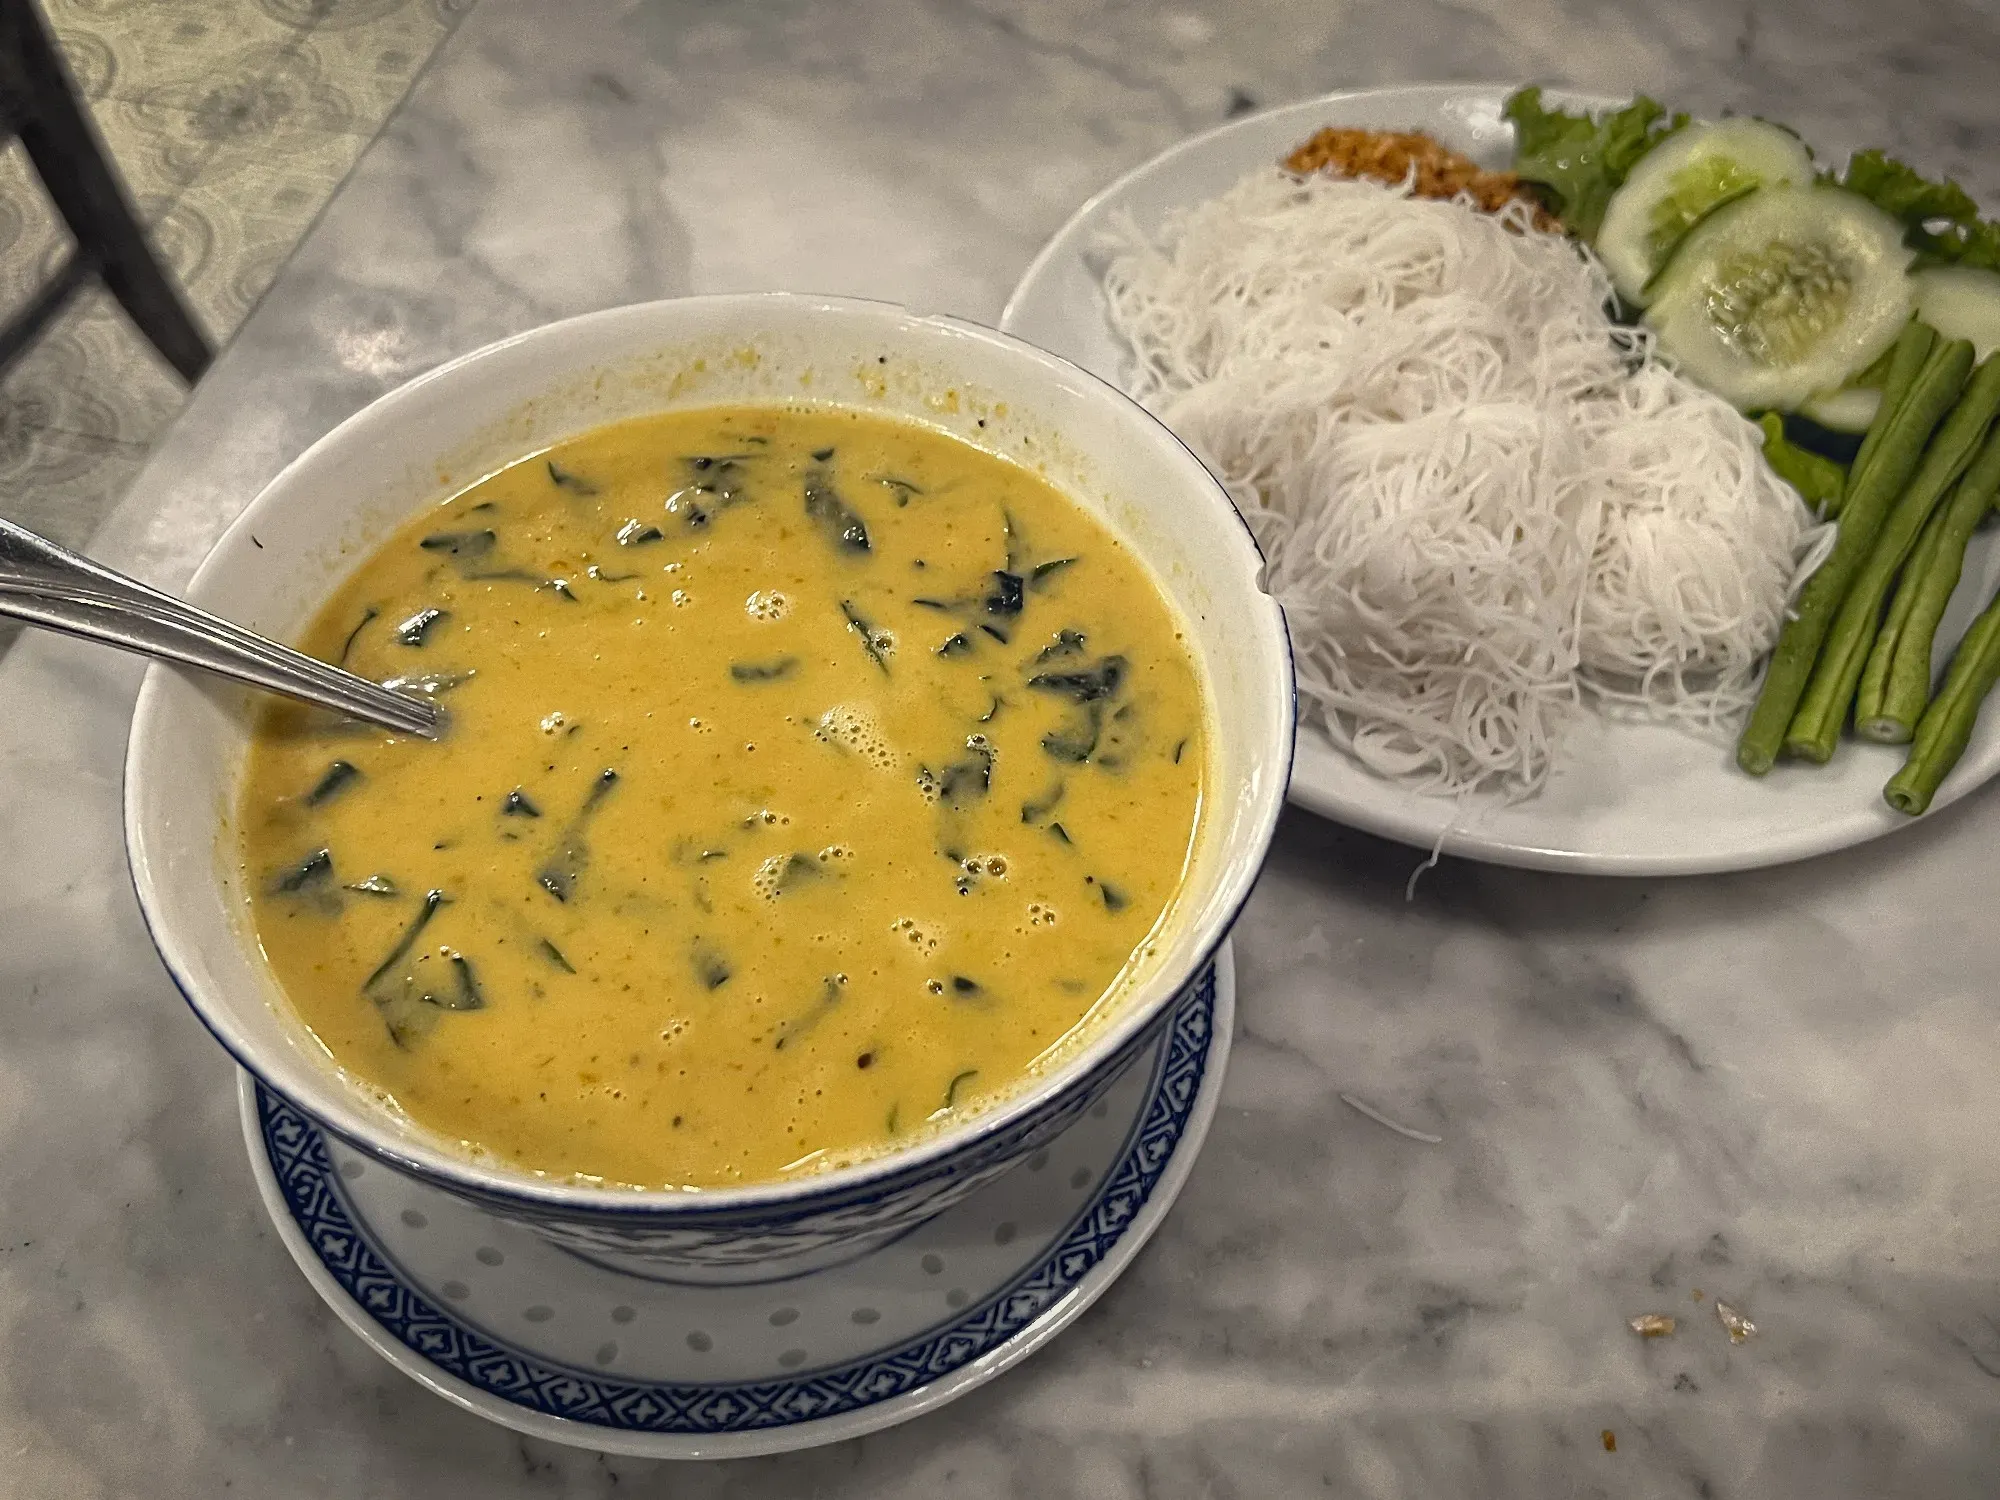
column 1626, row 799
column 505, row 1324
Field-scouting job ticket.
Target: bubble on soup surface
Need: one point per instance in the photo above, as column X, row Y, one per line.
column 1041, row 915
column 783, row 872
column 856, row 730
column 921, row 936
column 767, row 605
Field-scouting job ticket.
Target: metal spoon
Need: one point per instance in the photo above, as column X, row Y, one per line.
column 53, row 587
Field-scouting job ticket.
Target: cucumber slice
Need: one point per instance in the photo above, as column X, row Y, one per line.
column 1789, row 291
column 1653, row 281
column 1684, row 177
column 1849, row 409
column 1961, row 303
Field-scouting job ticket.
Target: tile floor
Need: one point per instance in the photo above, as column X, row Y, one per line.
column 232, row 122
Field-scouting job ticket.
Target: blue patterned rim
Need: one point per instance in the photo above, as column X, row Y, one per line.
column 297, row 1147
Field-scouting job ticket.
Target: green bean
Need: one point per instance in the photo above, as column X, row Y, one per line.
column 1906, row 362
column 1899, row 447
column 1873, row 375
column 1946, row 727
column 1897, row 682
column 1829, row 692
column 1819, row 481
column 1870, row 722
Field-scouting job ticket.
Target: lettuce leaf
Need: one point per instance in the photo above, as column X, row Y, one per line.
column 1902, row 192
column 1578, row 162
column 1976, row 245
column 1941, row 221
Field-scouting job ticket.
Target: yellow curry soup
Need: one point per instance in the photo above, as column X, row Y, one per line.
column 811, row 775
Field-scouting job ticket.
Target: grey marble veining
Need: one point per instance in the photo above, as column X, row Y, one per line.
column 1777, row 1088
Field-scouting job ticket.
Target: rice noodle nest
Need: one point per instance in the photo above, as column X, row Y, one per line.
column 1484, row 503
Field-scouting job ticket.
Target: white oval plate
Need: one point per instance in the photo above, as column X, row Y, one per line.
column 1624, row 799
column 540, row 1339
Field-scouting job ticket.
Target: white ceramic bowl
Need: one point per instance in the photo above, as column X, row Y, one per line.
column 328, row 509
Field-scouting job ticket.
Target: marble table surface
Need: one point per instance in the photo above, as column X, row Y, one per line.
column 1778, row 1088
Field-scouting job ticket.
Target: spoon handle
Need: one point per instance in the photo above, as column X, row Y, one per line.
column 50, row 586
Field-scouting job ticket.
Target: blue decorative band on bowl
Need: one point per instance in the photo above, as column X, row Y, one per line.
column 809, row 1229
column 298, row 1151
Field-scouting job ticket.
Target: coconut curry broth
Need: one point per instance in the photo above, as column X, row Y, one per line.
column 810, row 775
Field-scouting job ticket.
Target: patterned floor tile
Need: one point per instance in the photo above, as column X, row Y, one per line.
column 155, row 165
column 361, row 64
column 32, row 238
column 157, row 152
column 55, row 483
column 93, row 375
column 174, row 50
column 232, row 229
column 90, row 374
column 232, row 121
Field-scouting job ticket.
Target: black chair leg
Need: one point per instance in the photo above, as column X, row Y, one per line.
column 56, row 129
column 42, row 309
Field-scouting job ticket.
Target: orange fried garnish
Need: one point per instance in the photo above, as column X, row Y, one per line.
column 1388, row 155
